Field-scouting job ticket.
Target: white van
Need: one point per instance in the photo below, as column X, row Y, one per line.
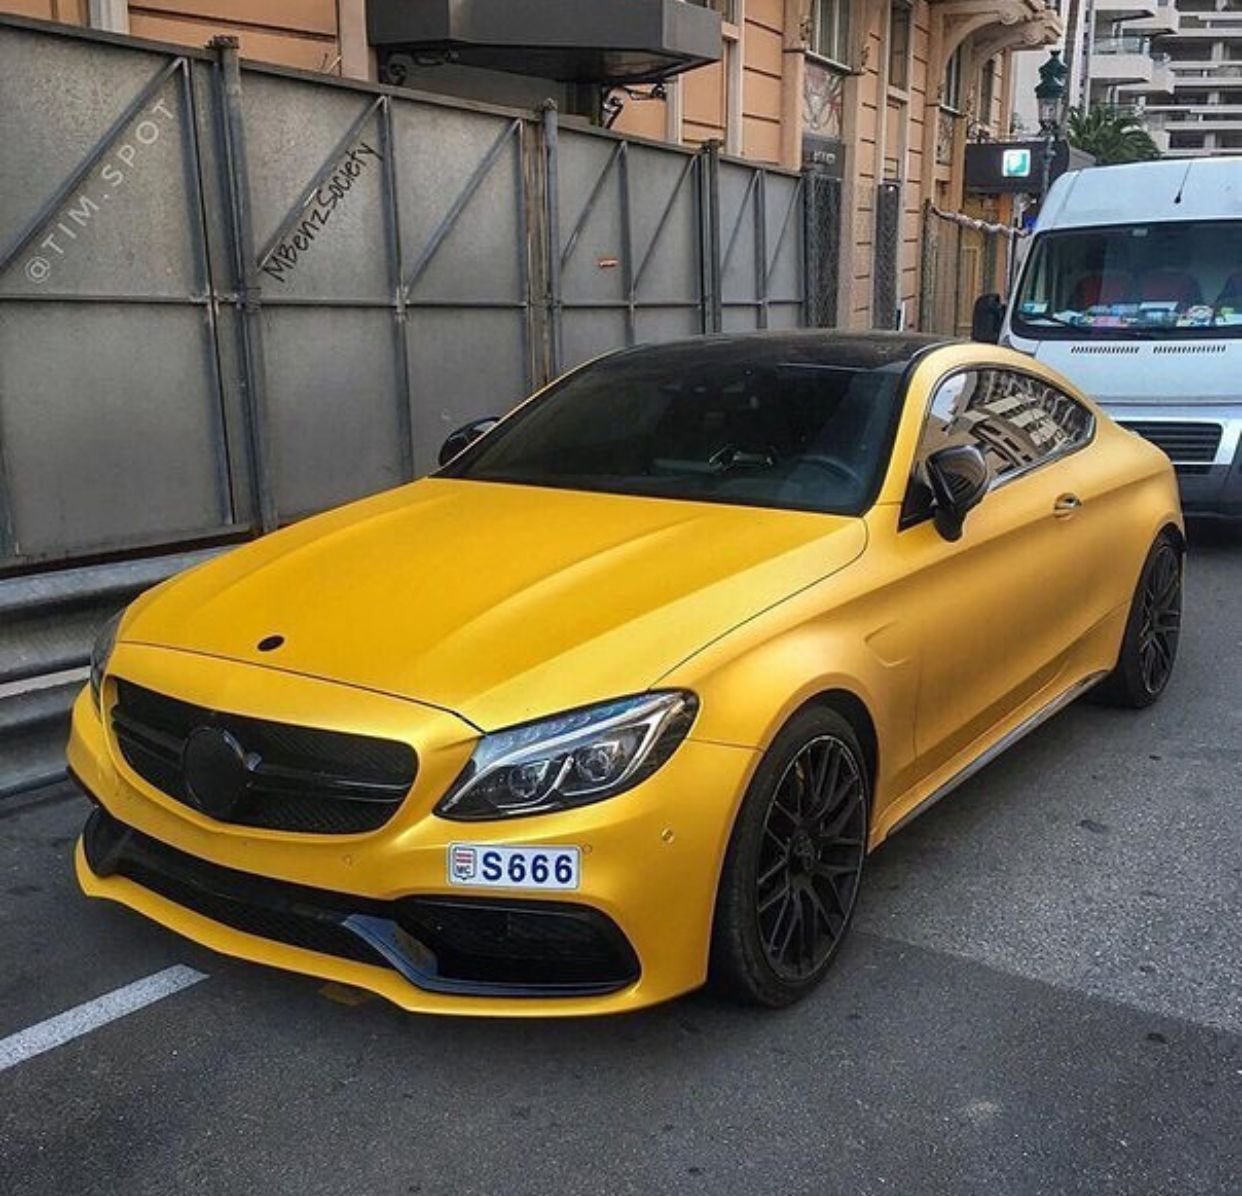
column 1132, row 287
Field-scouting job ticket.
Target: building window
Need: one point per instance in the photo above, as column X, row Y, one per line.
column 955, row 81
column 987, row 92
column 830, row 30
column 900, row 20
column 726, row 8
column 1186, row 141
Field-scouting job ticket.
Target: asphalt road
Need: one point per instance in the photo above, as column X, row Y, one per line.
column 1043, row 995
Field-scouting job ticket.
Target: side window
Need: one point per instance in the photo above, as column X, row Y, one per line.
column 1016, row 421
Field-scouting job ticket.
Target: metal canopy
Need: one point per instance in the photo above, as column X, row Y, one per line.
column 573, row 41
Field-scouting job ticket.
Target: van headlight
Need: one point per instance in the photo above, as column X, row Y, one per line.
column 570, row 759
column 101, row 653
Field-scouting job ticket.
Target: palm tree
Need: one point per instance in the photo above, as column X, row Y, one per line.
column 1111, row 134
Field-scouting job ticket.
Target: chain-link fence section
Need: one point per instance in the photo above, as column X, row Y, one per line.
column 962, row 259
column 823, row 248
column 887, row 242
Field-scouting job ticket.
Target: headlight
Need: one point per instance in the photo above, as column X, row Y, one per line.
column 100, row 654
column 572, row 759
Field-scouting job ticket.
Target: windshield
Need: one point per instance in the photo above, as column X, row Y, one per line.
column 728, row 423
column 1150, row 280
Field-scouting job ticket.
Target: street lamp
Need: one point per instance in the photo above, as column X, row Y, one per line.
column 1050, row 95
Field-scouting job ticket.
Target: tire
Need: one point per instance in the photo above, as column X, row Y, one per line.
column 794, row 862
column 1149, row 645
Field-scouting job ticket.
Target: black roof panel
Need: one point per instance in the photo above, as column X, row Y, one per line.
column 814, row 346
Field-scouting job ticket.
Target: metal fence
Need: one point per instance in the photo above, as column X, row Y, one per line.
column 887, row 252
column 963, row 258
column 231, row 296
column 823, row 246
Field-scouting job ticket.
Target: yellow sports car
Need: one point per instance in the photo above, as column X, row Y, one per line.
column 620, row 698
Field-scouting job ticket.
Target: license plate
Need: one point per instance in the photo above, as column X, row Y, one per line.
column 479, row 866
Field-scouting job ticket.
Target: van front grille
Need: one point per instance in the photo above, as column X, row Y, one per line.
column 1186, row 443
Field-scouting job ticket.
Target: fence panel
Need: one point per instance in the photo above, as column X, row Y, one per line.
column 762, row 231
column 627, row 243
column 465, row 263
column 785, row 235
column 112, row 414
column 332, row 384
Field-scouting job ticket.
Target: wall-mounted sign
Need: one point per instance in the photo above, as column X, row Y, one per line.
column 824, row 153
column 997, row 167
column 1016, row 163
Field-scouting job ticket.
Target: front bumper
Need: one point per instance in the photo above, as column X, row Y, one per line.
column 642, row 913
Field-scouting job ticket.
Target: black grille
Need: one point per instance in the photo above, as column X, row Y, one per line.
column 298, row 778
column 1185, row 443
column 477, row 946
column 533, row 943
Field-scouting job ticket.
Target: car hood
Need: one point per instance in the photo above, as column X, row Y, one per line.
column 498, row 602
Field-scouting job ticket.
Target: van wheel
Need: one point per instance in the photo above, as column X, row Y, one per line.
column 1149, row 646
column 794, row 863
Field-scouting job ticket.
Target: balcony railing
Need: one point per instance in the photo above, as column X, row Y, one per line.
column 1207, row 70
column 1125, row 44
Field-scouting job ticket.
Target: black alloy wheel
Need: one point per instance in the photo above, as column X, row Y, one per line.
column 1149, row 644
column 792, row 870
column 1161, row 619
column 810, row 860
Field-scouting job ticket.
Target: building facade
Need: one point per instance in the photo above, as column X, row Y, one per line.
column 879, row 98
column 1201, row 113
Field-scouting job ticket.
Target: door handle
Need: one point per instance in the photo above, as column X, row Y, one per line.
column 1066, row 505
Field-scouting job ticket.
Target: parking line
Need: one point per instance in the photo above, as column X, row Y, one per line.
column 90, row 1015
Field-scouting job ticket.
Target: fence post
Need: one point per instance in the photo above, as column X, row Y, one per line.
column 241, row 245
column 761, row 248
column 8, row 537
column 552, row 241
column 811, row 300
column 713, row 302
column 396, row 280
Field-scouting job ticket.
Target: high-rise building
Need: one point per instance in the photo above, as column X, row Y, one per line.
column 1201, row 113
column 1115, row 54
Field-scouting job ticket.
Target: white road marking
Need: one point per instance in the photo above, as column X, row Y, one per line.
column 84, row 1018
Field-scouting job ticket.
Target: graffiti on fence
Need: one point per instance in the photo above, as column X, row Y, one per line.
column 79, row 212
column 319, row 209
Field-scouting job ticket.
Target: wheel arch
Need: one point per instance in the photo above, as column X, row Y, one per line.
column 854, row 710
column 1179, row 536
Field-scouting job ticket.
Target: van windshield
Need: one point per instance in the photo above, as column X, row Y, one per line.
column 1151, row 280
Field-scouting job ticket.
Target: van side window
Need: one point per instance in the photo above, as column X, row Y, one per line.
column 1015, row 420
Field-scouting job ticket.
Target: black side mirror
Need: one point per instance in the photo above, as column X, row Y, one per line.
column 987, row 318
column 958, row 476
column 465, row 436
